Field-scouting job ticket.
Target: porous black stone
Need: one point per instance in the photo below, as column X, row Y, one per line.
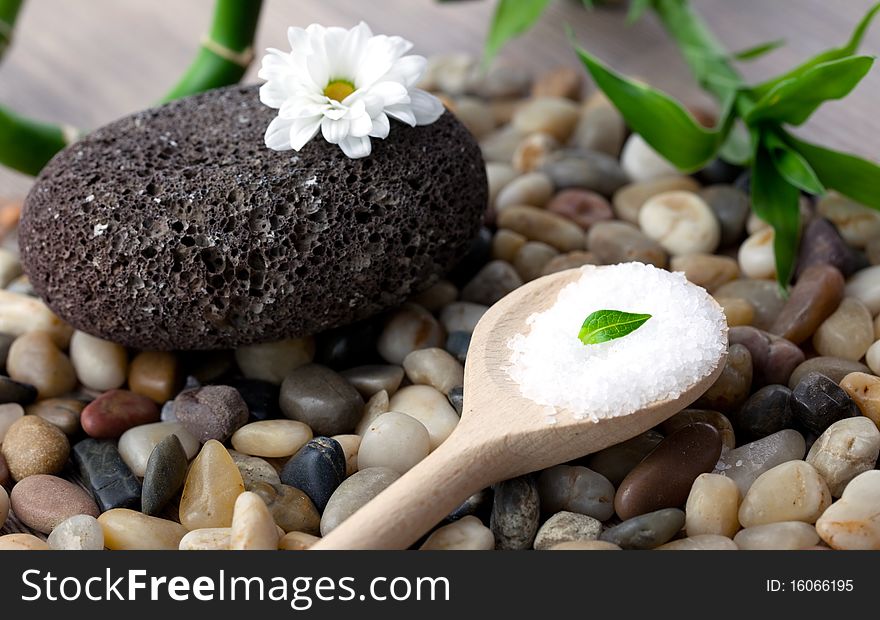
column 479, row 253
column 176, row 228
column 12, row 391
column 818, row 402
column 106, row 474
column 164, row 475
column 316, row 470
column 261, row 397
column 767, row 411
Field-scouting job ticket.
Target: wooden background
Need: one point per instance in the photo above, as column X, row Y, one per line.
column 87, row 62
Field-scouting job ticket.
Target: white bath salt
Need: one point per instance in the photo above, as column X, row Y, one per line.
column 658, row 361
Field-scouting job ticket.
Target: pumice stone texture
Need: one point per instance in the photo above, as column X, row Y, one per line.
column 176, row 228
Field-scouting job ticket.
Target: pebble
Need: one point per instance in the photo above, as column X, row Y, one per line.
column 566, row 527
column 569, row 260
column 500, row 144
column 706, row 270
column 857, row 224
column 20, row 314
column 515, row 514
column 846, row 449
column 581, row 169
column 498, row 175
column 428, row 406
column 822, row 244
column 22, row 542
column 271, row 438
column 531, row 151
column 272, row 361
column 478, row 503
column 36, row 360
column 212, row 485
column 41, row 502
column 62, row 412
column 395, row 441
column 542, row 225
column 136, row 444
column 818, row 402
column 317, row 469
column 252, row 526
column 15, row 392
column 853, row 521
column 872, row 357
column 681, row 222
column 115, row 411
column 780, row 536
column 129, row 530
column 4, row 506
column 615, row 462
column 641, row 162
column 206, row 539
column 767, row 411
column 290, row 507
column 378, row 404
column 707, row 416
column 438, row 296
column 774, row 358
column 834, row 368
column 354, row 493
column 744, row 464
column 355, row 344
column 456, row 399
column 532, row 258
column 164, row 476
column 577, row 489
column 813, row 299
column 319, row 397
column 792, row 491
column 460, row 316
column 33, row 446
column 585, row 545
column 581, row 206
column 5, row 476
column 9, row 414
column 475, row 116
column 865, row 286
column 77, row 533
column 457, row 345
column 434, row 367
column 664, row 477
column 506, row 243
column 99, row 364
column 261, row 397
column 646, row 531
column 211, row 412
column 566, row 82
column 737, row 311
column 154, row 374
column 373, row 378
column 410, row 328
column 297, row 541
column 351, row 445
column 731, row 208
column 731, row 389
column 712, row 506
column 756, row 256
column 864, row 389
column 600, row 128
column 629, row 199
column 620, row 242
column 703, row 542
column 10, row 267
column 494, row 281
column 466, row 534
column 847, row 333
column 254, row 470
column 552, row 115
column 762, row 294
column 102, row 469
column 533, row 189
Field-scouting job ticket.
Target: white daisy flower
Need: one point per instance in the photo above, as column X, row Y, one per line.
column 345, row 84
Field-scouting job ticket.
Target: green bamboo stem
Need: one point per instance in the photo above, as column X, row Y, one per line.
column 225, row 53
column 27, row 145
column 9, row 10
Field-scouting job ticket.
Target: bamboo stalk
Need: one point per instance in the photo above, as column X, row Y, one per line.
column 9, row 10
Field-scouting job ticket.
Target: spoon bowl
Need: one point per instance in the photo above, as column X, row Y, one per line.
column 501, row 434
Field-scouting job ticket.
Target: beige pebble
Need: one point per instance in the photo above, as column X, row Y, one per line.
column 350, row 446
column 206, row 539
column 540, row 225
column 33, row 446
column 856, row 223
column 475, row 115
column 500, row 144
column 566, row 82
column 498, row 175
column 410, row 328
column 706, row 270
column 297, row 541
column 641, row 162
column 681, row 222
column 378, row 404
column 737, row 311
column 531, row 151
column 569, row 260
column 781, row 536
column 462, row 316
column 466, row 534
column 792, row 491
column 846, row 449
column 601, row 126
column 853, row 521
column 34, row 358
column 22, row 542
column 99, row 364
column 847, row 333
column 864, row 389
column 273, row 361
column 394, row 440
column 77, row 533
column 553, row 115
column 127, row 530
column 9, row 414
column 440, row 294
column 534, row 189
column 872, row 358
column 212, row 485
column 62, row 412
column 506, row 243
column 712, row 506
column 20, row 314
column 756, row 257
column 585, row 545
column 532, row 258
column 136, row 444
column 354, row 493
column 755, row 224
column 271, row 438
column 701, row 542
column 629, row 199
column 10, row 267
column 252, row 526
column 864, row 285
column 429, row 407
column 434, row 367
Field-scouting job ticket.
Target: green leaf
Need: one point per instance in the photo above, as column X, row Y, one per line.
column 637, row 8
column 737, row 149
column 836, row 53
column 512, row 18
column 605, row 325
column 794, row 100
column 850, row 175
column 775, row 201
column 792, row 165
column 663, row 122
column 757, row 51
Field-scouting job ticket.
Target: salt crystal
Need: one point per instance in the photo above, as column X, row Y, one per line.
column 658, row 361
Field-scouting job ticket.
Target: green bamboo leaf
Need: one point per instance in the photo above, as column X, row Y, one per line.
column 605, row 325
column 850, row 175
column 755, row 52
column 663, row 122
column 792, row 165
column 737, row 148
column 794, row 100
column 836, row 53
column 775, row 201
column 512, row 18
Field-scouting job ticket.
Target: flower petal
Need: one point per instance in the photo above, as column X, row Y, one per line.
column 381, row 126
column 355, row 148
column 273, row 94
column 335, row 131
column 361, row 126
column 303, row 130
column 407, row 70
column 277, row 135
column 426, row 107
column 402, row 112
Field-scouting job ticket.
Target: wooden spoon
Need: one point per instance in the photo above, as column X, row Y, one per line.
column 501, row 433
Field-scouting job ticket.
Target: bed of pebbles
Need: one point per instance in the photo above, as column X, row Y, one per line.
column 270, row 446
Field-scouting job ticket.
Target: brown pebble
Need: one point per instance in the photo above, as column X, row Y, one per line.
column 581, row 206
column 34, row 358
column 33, row 446
column 566, row 82
column 732, row 387
column 5, row 476
column 62, row 412
column 297, row 541
column 571, row 260
column 41, row 502
column 707, row 416
column 116, row 411
column 664, row 478
column 773, row 358
column 813, row 299
column 155, row 375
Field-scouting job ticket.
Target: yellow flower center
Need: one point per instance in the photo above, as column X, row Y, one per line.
column 338, row 90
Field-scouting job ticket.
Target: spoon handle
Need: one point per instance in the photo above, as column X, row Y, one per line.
column 421, row 498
